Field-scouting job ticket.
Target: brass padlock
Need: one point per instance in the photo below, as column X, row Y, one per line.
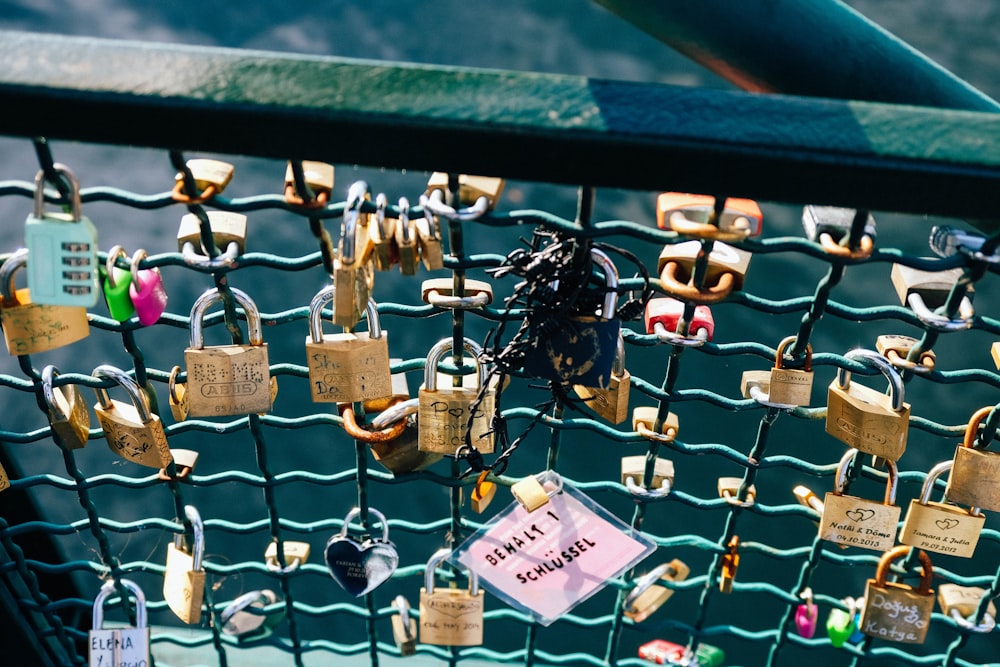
column 448, row 414
column 610, row 402
column 317, row 176
column 381, row 233
column 450, row 616
column 860, row 417
column 401, row 454
column 830, row 226
column 725, row 272
column 941, row 527
column 756, row 385
column 475, row 192
column 531, row 493
column 729, row 490
column 648, row 596
column 407, row 241
column 210, row 178
column 184, row 580
column 856, row 521
column 429, row 241
column 346, row 367
column 353, row 272
column 294, row 554
column 29, row 327
column 633, row 469
column 404, row 627
column 185, row 461
column 691, row 215
column 961, row 603
column 120, row 646
column 483, row 493
column 897, row 612
column 68, row 414
column 131, row 429
column 790, row 386
column 975, row 475
column 643, row 419
column 177, row 396
column 896, row 348
column 926, row 291
column 229, row 234
column 4, row 479
column 227, row 379
column 440, row 293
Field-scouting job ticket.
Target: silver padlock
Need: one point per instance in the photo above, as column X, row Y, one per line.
column 122, row 647
column 238, row 621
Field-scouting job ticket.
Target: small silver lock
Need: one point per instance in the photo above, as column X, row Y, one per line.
column 123, row 646
column 238, row 621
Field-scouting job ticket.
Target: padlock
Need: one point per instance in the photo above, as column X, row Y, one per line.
column 346, row 367
column 531, row 494
column 238, row 621
column 227, row 379
column 610, row 402
column 229, row 234
column 663, row 314
column 450, row 616
column 294, row 553
column 647, row 596
column 146, row 291
column 729, row 490
column 840, row 624
column 691, row 215
column 185, row 461
column 63, row 248
column 830, row 225
column 856, row 521
column 68, row 414
column 483, row 493
column 581, row 348
column 894, row 611
column 975, row 475
column 790, row 386
column 865, row 419
column 121, row 646
column 643, row 419
column 662, row 652
column 30, row 327
column 361, row 566
column 729, row 565
column 477, row 192
column 116, row 287
column 400, row 391
column 132, row 431
column 756, row 385
column 896, row 348
column 806, row 615
column 353, row 272
column 401, row 454
column 633, row 470
column 404, row 627
column 941, row 527
column 448, row 415
column 429, row 241
column 178, row 396
column 961, row 603
column 318, row 177
column 926, row 291
column 440, row 293
column 184, row 580
column 4, row 479
column 210, row 178
column 382, row 235
column 725, row 272
column 407, row 242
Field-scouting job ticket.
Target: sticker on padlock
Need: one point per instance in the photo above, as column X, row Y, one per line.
column 30, row 327
column 68, row 414
column 941, row 527
column 448, row 414
column 401, row 454
column 450, row 616
column 857, row 521
column 791, row 386
column 295, row 554
column 831, row 226
column 724, row 274
column 962, row 603
column 131, row 429
column 895, row 611
column 865, row 419
column 346, row 367
column 317, row 176
column 63, row 269
column 116, row 282
column 353, row 272
column 246, row 617
column 120, row 646
column 927, row 291
column 147, row 292
column 229, row 235
column 647, row 596
column 361, row 566
column 407, row 240
column 227, row 379
column 693, row 215
column 663, row 318
column 404, row 627
column 184, row 579
column 210, row 178
column 610, row 402
column 975, row 473
column 896, row 348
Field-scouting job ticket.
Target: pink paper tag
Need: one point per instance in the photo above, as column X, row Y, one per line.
column 548, row 561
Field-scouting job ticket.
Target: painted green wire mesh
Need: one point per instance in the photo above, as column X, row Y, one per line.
column 294, row 474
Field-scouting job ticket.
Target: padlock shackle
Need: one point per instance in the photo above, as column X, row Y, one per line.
column 109, row 264
column 688, row 292
column 404, row 221
column 646, row 581
column 133, row 267
column 354, row 513
column 239, row 605
column 356, row 196
column 618, row 366
column 17, row 260
column 779, row 354
column 939, row 322
column 901, row 551
column 972, row 430
column 198, row 541
column 435, row 204
column 438, row 350
column 62, row 169
column 841, row 481
column 138, row 397
column 403, row 608
column 436, row 559
column 325, row 296
column 49, row 374
column 107, row 589
column 212, row 295
column 928, row 487
column 601, row 258
column 876, row 360
column 381, row 203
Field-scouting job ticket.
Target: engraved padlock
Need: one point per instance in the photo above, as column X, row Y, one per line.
column 30, row 327
column 227, row 379
column 361, row 566
column 68, row 414
column 407, row 241
column 229, row 235
column 116, row 282
column 63, row 246
column 353, row 273
column 120, row 646
column 895, row 611
column 941, row 527
column 975, row 475
column 448, row 414
column 581, row 349
column 404, row 627
column 401, row 454
column 131, row 429
column 210, row 178
column 790, row 386
column 648, row 595
column 317, row 176
column 691, row 215
column 346, row 367
column 663, row 318
column 450, row 616
column 184, row 580
column 863, row 418
column 857, row 521
column 381, row 233
column 962, row 603
column 926, row 291
column 146, row 291
column 610, row 402
column 830, row 226
column 725, row 271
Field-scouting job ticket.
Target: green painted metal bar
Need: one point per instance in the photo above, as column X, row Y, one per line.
column 819, row 48
column 541, row 127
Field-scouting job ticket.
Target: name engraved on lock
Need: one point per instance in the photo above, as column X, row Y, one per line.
column 228, row 379
column 145, row 445
column 349, row 367
column 35, row 327
column 858, row 522
column 447, row 422
column 896, row 614
column 451, row 617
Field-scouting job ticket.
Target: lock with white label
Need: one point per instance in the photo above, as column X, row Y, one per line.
column 122, row 646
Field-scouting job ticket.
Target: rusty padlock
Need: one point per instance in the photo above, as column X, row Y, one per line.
column 725, row 271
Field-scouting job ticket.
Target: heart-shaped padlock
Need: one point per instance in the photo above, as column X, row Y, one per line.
column 361, row 567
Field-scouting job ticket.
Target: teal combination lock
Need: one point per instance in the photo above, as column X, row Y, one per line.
column 63, row 246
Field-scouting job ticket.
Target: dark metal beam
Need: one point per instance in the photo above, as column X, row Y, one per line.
column 550, row 128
